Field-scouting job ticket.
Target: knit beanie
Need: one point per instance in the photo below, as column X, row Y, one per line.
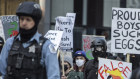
column 69, row 60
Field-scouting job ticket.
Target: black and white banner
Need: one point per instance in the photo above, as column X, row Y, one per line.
column 66, row 25
column 125, row 30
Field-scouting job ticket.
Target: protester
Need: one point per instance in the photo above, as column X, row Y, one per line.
column 135, row 60
column 68, row 66
column 98, row 48
column 79, row 63
column 29, row 55
column 136, row 74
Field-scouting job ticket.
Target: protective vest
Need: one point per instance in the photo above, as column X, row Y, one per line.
column 24, row 63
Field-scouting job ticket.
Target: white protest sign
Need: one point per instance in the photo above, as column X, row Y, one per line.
column 72, row 16
column 65, row 24
column 114, row 69
column 125, row 30
column 55, row 37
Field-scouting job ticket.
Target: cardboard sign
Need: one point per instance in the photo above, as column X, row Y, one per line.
column 54, row 37
column 10, row 25
column 125, row 30
column 114, row 69
column 86, row 43
column 65, row 24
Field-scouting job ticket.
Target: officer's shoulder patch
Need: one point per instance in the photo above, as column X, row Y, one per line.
column 37, row 6
column 52, row 49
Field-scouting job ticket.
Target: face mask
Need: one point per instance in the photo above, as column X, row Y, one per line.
column 65, row 67
column 99, row 48
column 80, row 62
column 98, row 54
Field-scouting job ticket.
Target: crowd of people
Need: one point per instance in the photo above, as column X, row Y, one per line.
column 31, row 56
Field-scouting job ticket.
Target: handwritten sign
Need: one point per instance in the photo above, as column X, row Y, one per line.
column 55, row 37
column 86, row 43
column 72, row 16
column 65, row 24
column 125, row 30
column 114, row 69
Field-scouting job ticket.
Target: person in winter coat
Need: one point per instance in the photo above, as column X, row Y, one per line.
column 98, row 48
column 68, row 66
column 80, row 60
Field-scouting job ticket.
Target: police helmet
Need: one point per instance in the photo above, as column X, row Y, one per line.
column 29, row 8
column 99, row 44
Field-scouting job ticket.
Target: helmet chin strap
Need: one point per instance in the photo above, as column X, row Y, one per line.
column 98, row 54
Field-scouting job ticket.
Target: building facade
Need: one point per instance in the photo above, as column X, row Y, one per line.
column 93, row 17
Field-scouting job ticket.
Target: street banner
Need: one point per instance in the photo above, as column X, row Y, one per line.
column 86, row 43
column 55, row 37
column 113, row 69
column 10, row 25
column 65, row 24
column 125, row 32
column 72, row 16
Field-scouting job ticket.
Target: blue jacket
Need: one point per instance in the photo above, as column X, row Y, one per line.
column 49, row 56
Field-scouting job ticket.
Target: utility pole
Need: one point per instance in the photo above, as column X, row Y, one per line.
column 44, row 25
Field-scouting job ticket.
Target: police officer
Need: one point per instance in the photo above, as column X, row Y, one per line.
column 98, row 48
column 29, row 55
